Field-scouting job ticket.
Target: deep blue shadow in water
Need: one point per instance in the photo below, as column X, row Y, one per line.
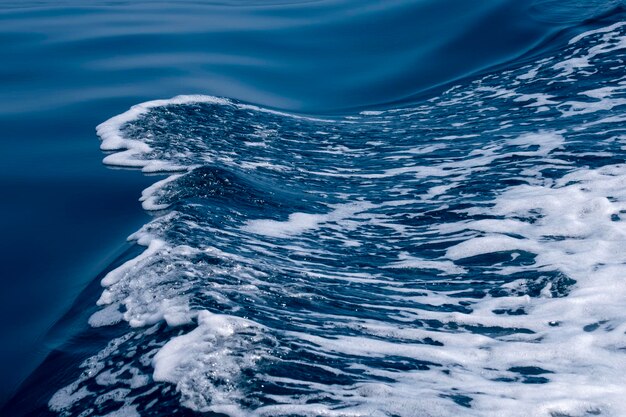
column 63, row 217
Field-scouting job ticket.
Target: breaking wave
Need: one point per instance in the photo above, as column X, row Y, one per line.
column 461, row 256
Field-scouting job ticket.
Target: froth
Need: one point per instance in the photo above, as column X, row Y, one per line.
column 421, row 261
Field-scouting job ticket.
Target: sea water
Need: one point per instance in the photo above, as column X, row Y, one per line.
column 458, row 253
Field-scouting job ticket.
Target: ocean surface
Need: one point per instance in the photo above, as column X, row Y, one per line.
column 347, row 208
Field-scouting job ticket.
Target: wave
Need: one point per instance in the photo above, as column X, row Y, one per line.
column 460, row 256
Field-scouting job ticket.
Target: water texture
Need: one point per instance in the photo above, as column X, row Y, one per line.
column 455, row 254
column 68, row 65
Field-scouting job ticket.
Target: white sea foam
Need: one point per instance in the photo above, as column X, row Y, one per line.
column 195, row 360
column 481, row 275
column 302, row 222
column 410, row 262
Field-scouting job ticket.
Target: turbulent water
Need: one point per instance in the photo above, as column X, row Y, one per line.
column 463, row 255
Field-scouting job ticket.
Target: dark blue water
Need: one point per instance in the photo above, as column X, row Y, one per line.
column 427, row 260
